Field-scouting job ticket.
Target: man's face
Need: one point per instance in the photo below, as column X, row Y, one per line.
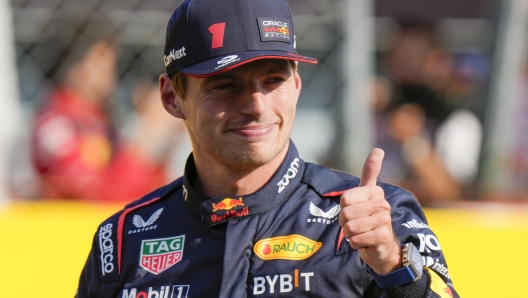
column 242, row 118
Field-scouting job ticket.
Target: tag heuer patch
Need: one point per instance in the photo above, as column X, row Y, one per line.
column 272, row 29
column 157, row 255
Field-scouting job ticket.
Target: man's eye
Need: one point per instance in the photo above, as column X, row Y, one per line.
column 224, row 87
column 275, row 80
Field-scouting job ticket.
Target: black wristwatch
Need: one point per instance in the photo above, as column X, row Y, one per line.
column 411, row 271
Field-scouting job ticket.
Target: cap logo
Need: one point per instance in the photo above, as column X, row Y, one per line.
column 204, row 39
column 272, row 29
column 227, row 60
column 174, row 55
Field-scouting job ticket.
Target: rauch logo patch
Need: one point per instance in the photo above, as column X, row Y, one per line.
column 157, row 255
column 291, row 247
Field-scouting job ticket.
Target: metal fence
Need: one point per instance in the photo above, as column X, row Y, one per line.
column 47, row 31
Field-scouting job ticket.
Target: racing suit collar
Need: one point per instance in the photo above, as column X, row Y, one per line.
column 218, row 210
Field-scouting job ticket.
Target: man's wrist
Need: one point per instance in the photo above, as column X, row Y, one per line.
column 410, row 290
column 410, row 270
column 393, row 264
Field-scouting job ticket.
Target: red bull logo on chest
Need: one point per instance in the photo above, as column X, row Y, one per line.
column 157, row 255
column 226, row 205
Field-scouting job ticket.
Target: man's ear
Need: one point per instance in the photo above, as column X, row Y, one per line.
column 298, row 81
column 169, row 98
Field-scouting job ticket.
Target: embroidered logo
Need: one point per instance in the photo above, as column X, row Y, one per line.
column 185, row 193
column 174, row 55
column 272, row 29
column 415, row 224
column 173, row 291
column 315, row 211
column 327, row 217
column 290, row 174
column 106, row 245
column 141, row 225
column 226, row 61
column 291, row 247
column 226, row 205
column 157, row 255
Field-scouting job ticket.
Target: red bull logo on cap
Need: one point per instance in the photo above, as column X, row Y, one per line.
column 272, row 29
column 228, row 204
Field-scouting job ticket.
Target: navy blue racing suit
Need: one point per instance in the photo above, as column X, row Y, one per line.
column 284, row 240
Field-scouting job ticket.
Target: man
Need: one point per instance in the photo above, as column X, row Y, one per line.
column 249, row 217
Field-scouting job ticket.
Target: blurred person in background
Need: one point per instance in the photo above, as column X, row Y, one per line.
column 76, row 149
column 154, row 132
column 432, row 146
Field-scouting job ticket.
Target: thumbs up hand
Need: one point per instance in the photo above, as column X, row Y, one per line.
column 366, row 220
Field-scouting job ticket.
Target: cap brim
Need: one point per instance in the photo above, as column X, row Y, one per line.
column 227, row 62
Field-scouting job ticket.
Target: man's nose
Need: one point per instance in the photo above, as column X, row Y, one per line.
column 255, row 102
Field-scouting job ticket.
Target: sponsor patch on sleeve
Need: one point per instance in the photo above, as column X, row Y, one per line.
column 439, row 286
column 107, row 252
column 272, row 29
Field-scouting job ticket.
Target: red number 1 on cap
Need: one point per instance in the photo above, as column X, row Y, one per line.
column 217, row 30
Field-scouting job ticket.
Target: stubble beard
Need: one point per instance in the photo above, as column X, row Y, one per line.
column 242, row 157
column 249, row 156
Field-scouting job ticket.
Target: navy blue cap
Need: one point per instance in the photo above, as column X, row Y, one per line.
column 207, row 37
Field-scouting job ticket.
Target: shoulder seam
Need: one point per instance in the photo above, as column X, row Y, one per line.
column 121, row 224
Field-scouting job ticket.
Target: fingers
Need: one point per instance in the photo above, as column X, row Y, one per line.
column 361, row 194
column 364, row 210
column 365, row 224
column 366, row 220
column 365, row 214
column 370, row 239
column 372, row 167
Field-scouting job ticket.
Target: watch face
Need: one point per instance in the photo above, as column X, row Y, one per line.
column 416, row 257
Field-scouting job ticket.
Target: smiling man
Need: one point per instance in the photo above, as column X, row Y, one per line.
column 250, row 217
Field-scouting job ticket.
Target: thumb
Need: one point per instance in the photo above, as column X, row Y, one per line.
column 372, row 167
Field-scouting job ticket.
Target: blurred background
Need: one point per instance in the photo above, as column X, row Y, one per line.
column 441, row 86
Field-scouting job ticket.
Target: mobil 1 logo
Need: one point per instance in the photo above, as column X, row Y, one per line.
column 175, row 291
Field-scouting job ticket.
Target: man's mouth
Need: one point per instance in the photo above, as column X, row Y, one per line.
column 254, row 131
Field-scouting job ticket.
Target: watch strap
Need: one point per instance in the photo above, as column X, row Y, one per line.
column 393, row 279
